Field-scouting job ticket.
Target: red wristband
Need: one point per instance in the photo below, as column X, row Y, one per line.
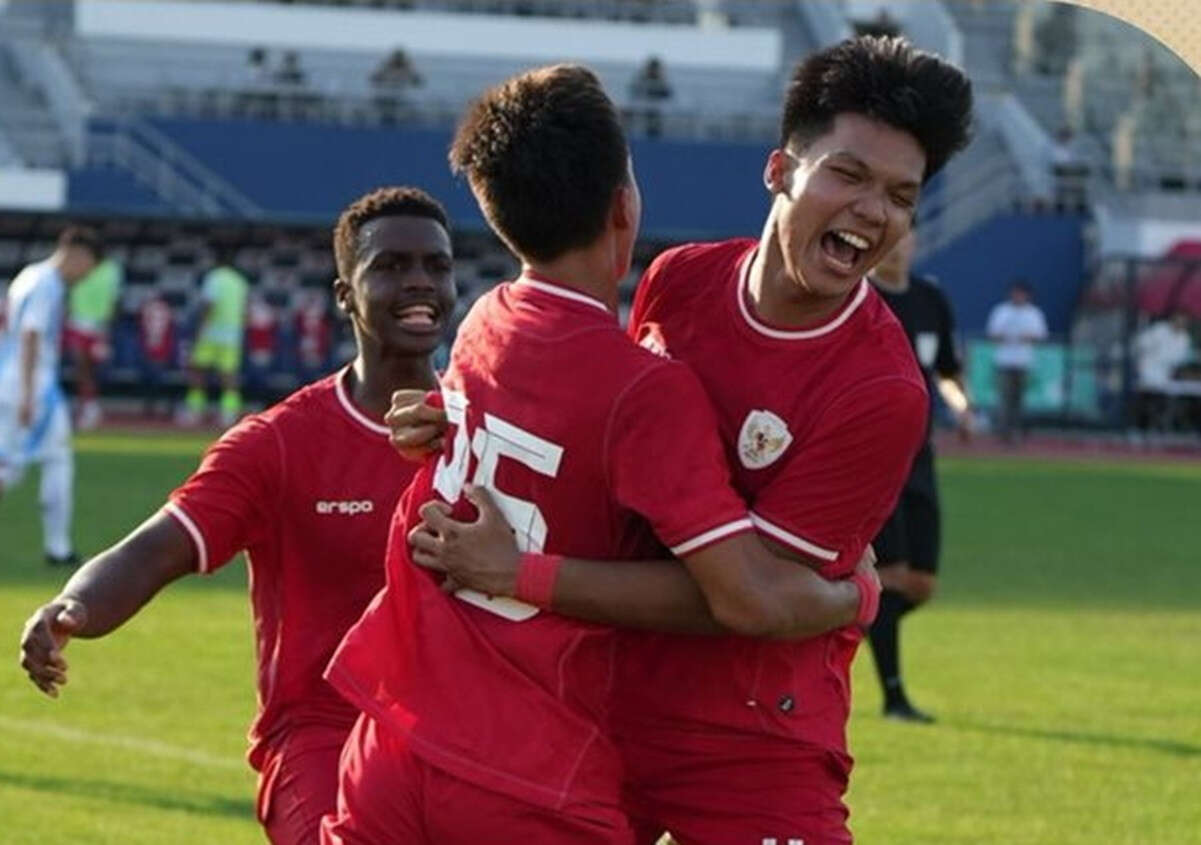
column 536, row 575
column 869, row 599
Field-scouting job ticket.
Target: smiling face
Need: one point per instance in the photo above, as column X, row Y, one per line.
column 401, row 293
column 842, row 203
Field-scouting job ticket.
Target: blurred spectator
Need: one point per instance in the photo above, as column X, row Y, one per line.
column 648, row 89
column 391, row 81
column 314, row 335
column 1159, row 350
column 1015, row 325
column 882, row 24
column 218, row 342
column 262, row 330
column 90, row 311
column 1070, row 170
column 256, row 61
column 156, row 337
column 1056, row 39
column 290, row 72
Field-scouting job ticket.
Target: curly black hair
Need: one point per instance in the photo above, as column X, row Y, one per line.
column 887, row 79
column 544, row 153
column 382, row 202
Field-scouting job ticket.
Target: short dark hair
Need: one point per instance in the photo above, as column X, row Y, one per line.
column 886, row 79
column 382, row 202
column 84, row 237
column 544, row 153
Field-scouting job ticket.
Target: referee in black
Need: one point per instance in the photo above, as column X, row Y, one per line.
column 907, row 546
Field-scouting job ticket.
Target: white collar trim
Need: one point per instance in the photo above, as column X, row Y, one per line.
column 566, row 293
column 798, row 334
column 353, row 412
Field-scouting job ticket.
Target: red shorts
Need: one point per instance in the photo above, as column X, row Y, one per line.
column 388, row 794
column 91, row 345
column 299, row 784
column 733, row 789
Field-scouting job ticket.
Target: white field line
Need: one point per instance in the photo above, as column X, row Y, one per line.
column 150, row 747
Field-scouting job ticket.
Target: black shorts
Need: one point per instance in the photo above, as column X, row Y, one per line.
column 913, row 532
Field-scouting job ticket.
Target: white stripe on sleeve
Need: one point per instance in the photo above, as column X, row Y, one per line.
column 790, row 539
column 710, row 536
column 202, row 557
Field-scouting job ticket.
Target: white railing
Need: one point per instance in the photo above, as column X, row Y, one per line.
column 930, row 26
column 43, row 68
column 968, row 198
column 168, row 170
column 1026, row 140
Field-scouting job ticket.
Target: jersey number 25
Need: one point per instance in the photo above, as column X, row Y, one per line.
column 489, row 443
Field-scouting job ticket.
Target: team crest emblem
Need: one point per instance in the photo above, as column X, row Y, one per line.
column 763, row 439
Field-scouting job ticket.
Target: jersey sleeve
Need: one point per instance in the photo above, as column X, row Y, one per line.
column 836, row 490
column 948, row 362
column 650, row 292
column 666, row 463
column 38, row 313
column 230, row 502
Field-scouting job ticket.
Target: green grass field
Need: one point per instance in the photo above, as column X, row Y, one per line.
column 1063, row 658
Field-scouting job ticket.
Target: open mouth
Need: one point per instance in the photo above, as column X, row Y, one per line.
column 419, row 316
column 844, row 249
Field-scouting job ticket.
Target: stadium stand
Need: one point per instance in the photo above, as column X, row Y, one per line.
column 1087, row 151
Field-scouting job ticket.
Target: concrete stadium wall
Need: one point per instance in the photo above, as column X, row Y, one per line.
column 309, row 173
column 1046, row 251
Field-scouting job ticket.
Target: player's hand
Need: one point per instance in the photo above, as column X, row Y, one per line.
column 417, row 425
column 482, row 555
column 966, row 425
column 46, row 635
column 25, row 412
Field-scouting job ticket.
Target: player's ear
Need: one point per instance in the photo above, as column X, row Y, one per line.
column 342, row 296
column 776, row 171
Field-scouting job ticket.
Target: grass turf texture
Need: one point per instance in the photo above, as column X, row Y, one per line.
column 1063, row 658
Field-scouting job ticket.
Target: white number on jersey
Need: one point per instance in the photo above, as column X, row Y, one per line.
column 496, row 439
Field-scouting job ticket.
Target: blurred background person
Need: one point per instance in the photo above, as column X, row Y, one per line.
column 34, row 424
column 1159, row 350
column 156, row 344
column 218, row 347
column 908, row 546
column 1015, row 325
column 92, row 304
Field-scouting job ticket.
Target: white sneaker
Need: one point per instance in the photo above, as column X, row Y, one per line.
column 90, row 415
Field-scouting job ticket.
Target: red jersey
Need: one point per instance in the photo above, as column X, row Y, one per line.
column 312, row 335
column 307, row 488
column 820, row 426
column 593, row 448
column 261, row 323
column 157, row 330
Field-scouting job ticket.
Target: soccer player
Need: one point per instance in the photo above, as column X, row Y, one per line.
column 821, row 408
column 907, row 547
column 34, row 423
column 307, row 489
column 484, row 716
column 218, row 342
column 92, row 303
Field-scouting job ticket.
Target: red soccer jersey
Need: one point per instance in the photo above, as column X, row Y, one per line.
column 594, row 448
column 819, row 427
column 307, row 488
column 157, row 330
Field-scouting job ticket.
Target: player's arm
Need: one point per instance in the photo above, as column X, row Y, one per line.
column 108, row 590
column 735, row 585
column 948, row 366
column 228, row 504
column 30, row 339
